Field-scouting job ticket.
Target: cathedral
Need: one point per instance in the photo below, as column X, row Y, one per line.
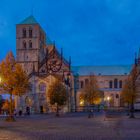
column 41, row 60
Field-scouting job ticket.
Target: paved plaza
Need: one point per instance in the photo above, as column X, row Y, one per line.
column 75, row 126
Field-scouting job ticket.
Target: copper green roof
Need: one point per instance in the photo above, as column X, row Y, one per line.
column 29, row 20
column 102, row 70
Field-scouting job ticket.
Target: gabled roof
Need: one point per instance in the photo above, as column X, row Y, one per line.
column 102, row 70
column 29, row 20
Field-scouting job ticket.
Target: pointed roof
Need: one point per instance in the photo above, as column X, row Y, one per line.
column 29, row 20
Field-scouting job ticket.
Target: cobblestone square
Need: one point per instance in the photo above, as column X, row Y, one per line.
column 70, row 127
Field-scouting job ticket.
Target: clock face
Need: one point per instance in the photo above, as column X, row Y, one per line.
column 54, row 65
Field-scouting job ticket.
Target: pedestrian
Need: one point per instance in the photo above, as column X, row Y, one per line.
column 27, row 110
column 91, row 114
column 20, row 112
column 5, row 114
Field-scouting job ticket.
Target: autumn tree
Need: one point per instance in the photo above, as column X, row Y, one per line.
column 92, row 94
column 14, row 81
column 6, row 105
column 129, row 91
column 58, row 95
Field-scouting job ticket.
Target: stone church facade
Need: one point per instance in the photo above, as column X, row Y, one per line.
column 110, row 80
column 41, row 60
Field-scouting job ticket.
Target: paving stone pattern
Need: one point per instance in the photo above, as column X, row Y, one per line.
column 71, row 127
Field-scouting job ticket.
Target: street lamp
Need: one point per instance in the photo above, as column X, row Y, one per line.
column 108, row 100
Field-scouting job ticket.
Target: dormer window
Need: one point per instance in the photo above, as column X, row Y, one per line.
column 30, row 44
column 30, row 32
column 24, row 33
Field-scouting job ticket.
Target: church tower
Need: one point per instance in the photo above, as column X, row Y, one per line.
column 30, row 44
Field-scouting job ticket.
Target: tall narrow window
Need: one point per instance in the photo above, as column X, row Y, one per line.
column 110, row 84
column 24, row 33
column 86, row 82
column 120, row 84
column 115, row 83
column 30, row 44
column 30, row 32
column 24, row 45
column 82, row 84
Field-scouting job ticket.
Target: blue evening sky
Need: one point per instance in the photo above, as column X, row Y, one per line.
column 92, row 32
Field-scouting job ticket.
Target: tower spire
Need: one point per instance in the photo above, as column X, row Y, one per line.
column 70, row 63
column 139, row 53
column 139, row 57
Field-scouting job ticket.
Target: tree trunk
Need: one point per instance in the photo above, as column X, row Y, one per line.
column 132, row 109
column 10, row 117
column 11, row 110
column 57, row 110
column 128, row 110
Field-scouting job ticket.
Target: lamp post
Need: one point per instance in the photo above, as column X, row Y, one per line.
column 0, row 80
column 68, row 86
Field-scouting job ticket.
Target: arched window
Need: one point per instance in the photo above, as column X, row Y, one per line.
column 42, row 87
column 81, row 84
column 120, row 84
column 86, row 82
column 30, row 32
column 24, row 33
column 115, row 83
column 110, row 84
column 30, row 44
column 24, row 45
